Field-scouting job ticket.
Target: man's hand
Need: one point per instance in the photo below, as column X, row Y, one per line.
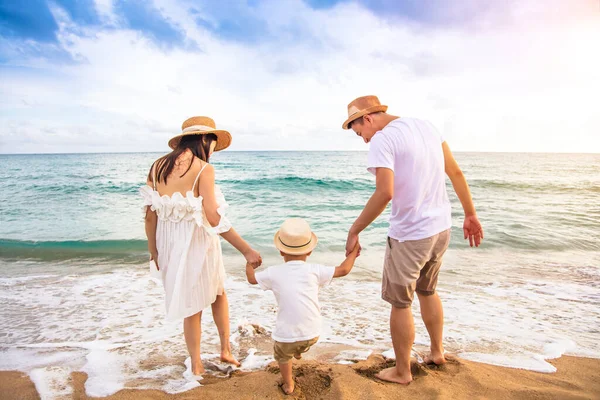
column 352, row 243
column 473, row 230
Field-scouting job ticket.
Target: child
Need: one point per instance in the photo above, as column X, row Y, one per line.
column 296, row 287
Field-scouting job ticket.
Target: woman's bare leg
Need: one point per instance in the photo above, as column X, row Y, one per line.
column 220, row 310
column 192, row 330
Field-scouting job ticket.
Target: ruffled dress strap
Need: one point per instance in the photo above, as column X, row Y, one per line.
column 197, row 178
column 224, row 223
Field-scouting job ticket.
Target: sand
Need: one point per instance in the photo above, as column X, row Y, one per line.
column 576, row 378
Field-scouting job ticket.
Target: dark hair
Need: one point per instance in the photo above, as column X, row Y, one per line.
column 361, row 120
column 358, row 121
column 199, row 145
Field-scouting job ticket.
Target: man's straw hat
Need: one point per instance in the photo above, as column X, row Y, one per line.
column 363, row 106
column 202, row 126
column 295, row 237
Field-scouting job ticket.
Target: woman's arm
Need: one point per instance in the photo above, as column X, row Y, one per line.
column 150, row 221
column 206, row 189
column 252, row 256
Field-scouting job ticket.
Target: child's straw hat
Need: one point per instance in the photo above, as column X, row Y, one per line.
column 295, row 237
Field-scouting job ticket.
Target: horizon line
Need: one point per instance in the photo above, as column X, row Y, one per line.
column 292, row 151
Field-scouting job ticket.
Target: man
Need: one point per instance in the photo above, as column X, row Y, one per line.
column 409, row 157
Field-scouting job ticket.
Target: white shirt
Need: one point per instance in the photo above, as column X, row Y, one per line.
column 296, row 287
column 412, row 149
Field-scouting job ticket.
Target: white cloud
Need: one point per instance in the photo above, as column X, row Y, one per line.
column 528, row 85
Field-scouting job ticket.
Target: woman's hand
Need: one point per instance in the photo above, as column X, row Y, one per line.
column 154, row 257
column 253, row 257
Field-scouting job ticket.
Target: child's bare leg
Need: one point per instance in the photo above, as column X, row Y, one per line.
column 192, row 332
column 286, row 374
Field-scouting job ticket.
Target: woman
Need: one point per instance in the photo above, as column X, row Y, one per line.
column 184, row 217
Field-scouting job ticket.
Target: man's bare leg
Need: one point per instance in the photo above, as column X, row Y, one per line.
column 432, row 313
column 403, row 336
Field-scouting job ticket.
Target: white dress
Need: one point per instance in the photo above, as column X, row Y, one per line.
column 189, row 249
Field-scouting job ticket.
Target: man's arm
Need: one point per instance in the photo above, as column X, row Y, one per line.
column 384, row 191
column 472, row 227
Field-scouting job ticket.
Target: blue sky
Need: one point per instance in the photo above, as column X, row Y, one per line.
column 233, row 20
column 279, row 74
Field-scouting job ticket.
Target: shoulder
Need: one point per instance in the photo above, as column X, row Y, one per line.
column 383, row 140
column 270, row 269
column 153, row 171
column 207, row 166
column 207, row 169
column 391, row 131
column 421, row 123
column 317, row 267
column 263, row 271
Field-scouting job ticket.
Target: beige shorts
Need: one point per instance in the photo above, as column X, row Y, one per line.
column 412, row 265
column 285, row 351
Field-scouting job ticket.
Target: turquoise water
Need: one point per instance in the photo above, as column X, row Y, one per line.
column 49, row 203
column 75, row 294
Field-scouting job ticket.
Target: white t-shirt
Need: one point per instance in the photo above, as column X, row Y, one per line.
column 412, row 149
column 296, row 287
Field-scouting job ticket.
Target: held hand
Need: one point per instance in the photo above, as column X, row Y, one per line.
column 356, row 250
column 352, row 244
column 253, row 258
column 473, row 230
column 154, row 257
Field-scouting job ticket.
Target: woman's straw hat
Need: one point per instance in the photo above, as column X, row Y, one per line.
column 295, row 237
column 202, row 126
column 362, row 106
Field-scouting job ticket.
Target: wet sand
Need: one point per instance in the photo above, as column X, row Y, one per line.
column 576, row 378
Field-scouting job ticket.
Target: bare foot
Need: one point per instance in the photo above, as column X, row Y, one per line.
column 435, row 358
column 198, row 369
column 298, row 356
column 287, row 388
column 391, row 375
column 229, row 358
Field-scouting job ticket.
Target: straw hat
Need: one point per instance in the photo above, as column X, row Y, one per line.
column 295, row 237
column 202, row 126
column 363, row 106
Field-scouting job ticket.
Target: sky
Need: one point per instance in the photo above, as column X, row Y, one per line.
column 122, row 75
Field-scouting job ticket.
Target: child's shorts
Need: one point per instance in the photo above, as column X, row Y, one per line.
column 285, row 351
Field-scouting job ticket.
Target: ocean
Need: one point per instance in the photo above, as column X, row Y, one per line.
column 75, row 293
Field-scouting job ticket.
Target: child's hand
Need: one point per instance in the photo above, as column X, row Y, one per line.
column 355, row 250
